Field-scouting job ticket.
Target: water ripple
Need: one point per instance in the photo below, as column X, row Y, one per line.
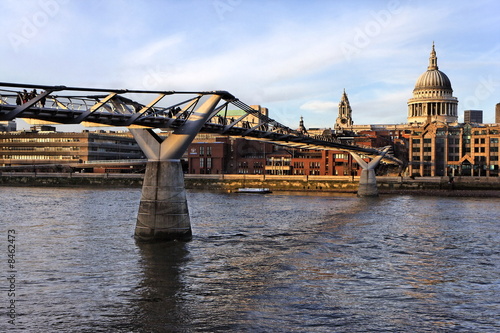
column 280, row 263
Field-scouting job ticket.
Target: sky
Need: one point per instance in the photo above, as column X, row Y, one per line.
column 294, row 57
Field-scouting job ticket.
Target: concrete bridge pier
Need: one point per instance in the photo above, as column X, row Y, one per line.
column 163, row 210
column 367, row 181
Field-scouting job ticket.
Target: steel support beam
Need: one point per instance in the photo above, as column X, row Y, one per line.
column 163, row 210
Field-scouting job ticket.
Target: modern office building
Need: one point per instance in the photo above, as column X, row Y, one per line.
column 46, row 146
column 473, row 116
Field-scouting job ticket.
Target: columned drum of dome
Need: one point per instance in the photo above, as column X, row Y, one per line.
column 433, row 96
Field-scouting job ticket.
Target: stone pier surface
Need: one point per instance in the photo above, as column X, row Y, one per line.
column 367, row 184
column 163, row 210
column 367, row 180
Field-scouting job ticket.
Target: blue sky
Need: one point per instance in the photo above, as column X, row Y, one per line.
column 294, row 57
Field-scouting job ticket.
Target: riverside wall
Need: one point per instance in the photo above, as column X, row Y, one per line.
column 477, row 186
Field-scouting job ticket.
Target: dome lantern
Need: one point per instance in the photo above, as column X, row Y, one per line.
column 433, row 65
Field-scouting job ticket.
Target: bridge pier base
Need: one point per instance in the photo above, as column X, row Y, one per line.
column 367, row 184
column 367, row 181
column 163, row 210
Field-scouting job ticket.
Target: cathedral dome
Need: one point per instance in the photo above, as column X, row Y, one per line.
column 433, row 78
column 433, row 96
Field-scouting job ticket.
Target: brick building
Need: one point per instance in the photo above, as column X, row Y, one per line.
column 210, row 154
column 439, row 149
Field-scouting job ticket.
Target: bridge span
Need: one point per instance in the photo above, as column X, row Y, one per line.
column 163, row 211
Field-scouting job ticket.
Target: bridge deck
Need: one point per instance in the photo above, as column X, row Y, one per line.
column 115, row 107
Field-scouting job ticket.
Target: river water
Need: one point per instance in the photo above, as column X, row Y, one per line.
column 257, row 263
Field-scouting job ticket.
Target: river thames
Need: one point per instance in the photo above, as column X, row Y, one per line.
column 302, row 262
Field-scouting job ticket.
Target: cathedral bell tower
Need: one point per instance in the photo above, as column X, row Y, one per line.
column 344, row 119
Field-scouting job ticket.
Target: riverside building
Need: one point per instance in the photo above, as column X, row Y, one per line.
column 46, row 146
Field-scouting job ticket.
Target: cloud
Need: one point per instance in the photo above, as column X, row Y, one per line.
column 286, row 54
column 319, row 106
column 154, row 51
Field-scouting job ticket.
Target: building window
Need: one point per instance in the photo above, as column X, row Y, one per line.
column 209, row 162
column 314, row 165
column 298, row 164
column 202, row 150
column 209, row 151
column 202, row 162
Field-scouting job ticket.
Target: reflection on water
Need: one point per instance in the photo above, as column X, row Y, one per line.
column 161, row 307
column 262, row 263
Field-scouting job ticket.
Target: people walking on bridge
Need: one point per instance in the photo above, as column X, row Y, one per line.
column 32, row 94
column 25, row 96
column 43, row 100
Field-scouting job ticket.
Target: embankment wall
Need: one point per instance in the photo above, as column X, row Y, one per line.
column 275, row 183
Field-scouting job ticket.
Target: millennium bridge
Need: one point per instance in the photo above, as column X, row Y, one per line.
column 163, row 211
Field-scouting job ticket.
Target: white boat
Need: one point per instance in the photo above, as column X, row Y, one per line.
column 253, row 190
